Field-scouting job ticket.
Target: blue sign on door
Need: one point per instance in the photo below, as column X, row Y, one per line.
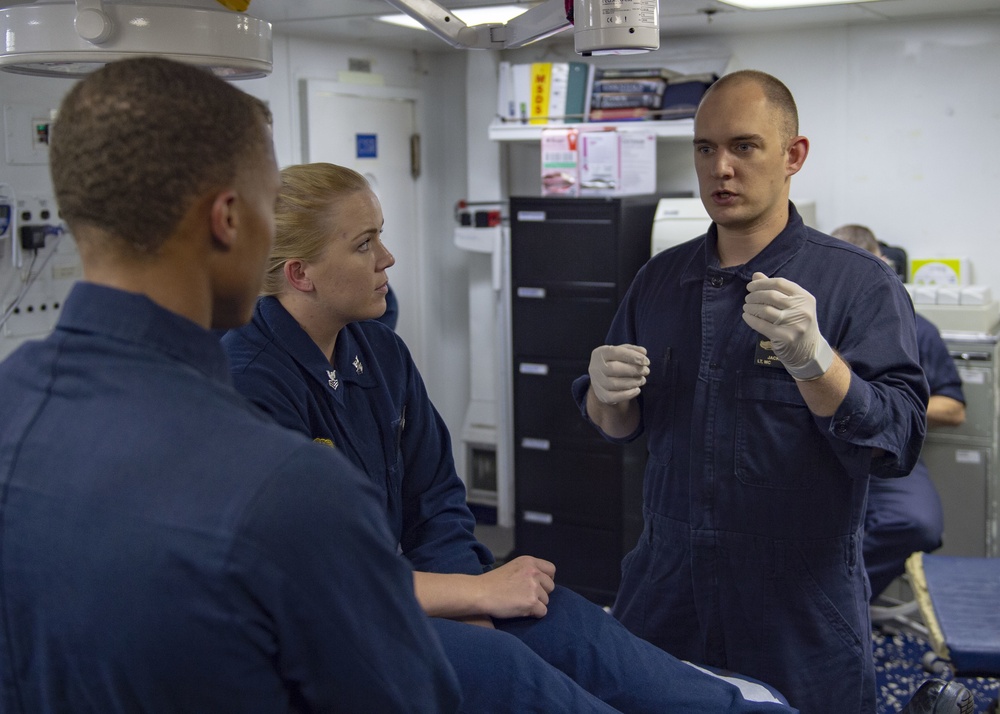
column 367, row 146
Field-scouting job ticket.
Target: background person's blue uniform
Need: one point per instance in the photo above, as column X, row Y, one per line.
column 165, row 547
column 904, row 515
column 372, row 405
column 754, row 507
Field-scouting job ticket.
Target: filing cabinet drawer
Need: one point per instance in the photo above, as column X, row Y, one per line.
column 568, row 250
column 543, row 400
column 960, row 473
column 561, row 326
column 577, row 486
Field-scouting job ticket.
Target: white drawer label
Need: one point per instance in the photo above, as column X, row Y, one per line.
column 972, row 376
column 531, row 292
column 968, row 456
column 538, row 517
column 532, row 368
column 531, row 215
column 540, row 444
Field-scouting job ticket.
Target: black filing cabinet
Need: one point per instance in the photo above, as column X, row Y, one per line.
column 578, row 497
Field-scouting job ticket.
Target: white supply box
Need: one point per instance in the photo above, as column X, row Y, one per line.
column 968, row 308
column 560, row 162
column 617, row 163
column 597, row 161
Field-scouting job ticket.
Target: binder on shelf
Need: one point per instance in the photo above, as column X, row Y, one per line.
column 577, row 91
column 544, row 92
column 521, row 86
column 506, row 107
column 558, row 89
column 541, row 86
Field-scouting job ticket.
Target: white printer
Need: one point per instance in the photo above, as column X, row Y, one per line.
column 678, row 220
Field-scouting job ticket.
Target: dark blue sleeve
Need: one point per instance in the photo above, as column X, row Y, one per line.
column 351, row 636
column 939, row 367
column 438, row 526
column 886, row 401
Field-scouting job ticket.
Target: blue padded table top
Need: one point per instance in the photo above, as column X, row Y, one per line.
column 960, row 602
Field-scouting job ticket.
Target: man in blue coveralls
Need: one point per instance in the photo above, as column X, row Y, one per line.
column 772, row 368
column 165, row 546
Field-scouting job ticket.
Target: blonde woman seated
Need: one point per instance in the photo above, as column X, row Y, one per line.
column 315, row 358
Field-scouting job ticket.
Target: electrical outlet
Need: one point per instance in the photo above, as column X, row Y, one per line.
column 31, row 318
column 38, row 311
column 33, row 216
column 55, row 266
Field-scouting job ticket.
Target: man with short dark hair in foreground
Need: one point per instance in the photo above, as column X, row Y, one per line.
column 164, row 546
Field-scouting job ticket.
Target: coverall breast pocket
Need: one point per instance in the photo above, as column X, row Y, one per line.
column 777, row 441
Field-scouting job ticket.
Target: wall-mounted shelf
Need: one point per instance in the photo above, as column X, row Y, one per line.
column 477, row 240
column 511, row 131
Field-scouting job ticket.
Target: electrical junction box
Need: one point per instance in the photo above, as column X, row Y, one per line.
column 27, row 133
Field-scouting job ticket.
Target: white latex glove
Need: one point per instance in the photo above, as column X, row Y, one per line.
column 617, row 372
column 786, row 315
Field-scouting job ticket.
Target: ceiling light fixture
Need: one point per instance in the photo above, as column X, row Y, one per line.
column 469, row 15
column 599, row 26
column 68, row 39
column 787, row 4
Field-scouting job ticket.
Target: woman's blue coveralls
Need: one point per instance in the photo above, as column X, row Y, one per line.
column 904, row 515
column 372, row 405
column 751, row 554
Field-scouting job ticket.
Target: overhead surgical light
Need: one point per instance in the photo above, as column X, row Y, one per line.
column 56, row 38
column 599, row 26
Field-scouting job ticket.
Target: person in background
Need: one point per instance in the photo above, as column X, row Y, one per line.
column 315, row 357
column 768, row 386
column 164, row 546
column 904, row 515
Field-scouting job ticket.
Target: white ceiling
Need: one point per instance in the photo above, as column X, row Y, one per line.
column 351, row 20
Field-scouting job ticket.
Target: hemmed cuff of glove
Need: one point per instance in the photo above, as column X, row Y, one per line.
column 816, row 367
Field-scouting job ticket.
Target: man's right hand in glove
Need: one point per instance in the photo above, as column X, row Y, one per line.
column 617, row 372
